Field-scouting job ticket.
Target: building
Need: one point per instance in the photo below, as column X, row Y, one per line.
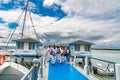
column 80, row 46
column 27, row 46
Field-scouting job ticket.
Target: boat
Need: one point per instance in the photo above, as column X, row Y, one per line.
column 13, row 70
column 109, row 72
column 102, row 71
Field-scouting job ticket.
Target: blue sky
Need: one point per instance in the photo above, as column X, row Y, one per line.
column 61, row 21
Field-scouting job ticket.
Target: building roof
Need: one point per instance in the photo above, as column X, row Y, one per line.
column 26, row 40
column 1, row 37
column 81, row 42
column 5, row 44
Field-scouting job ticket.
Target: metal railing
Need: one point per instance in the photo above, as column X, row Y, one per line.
column 104, row 70
column 29, row 75
column 33, row 72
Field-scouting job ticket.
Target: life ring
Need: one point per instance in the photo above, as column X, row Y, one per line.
column 2, row 59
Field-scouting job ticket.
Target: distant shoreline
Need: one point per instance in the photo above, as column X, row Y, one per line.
column 104, row 49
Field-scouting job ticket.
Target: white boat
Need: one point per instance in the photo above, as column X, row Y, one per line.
column 23, row 46
column 12, row 71
column 105, row 72
column 102, row 71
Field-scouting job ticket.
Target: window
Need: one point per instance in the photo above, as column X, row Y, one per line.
column 20, row 45
column 87, row 47
column 31, row 45
column 77, row 47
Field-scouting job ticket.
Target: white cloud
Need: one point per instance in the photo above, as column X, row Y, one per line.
column 74, row 24
column 12, row 15
column 88, row 8
column 86, row 28
column 32, row 6
column 5, row 1
column 79, row 20
column 47, row 3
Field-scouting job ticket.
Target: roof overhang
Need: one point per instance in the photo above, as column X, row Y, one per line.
column 81, row 42
column 26, row 40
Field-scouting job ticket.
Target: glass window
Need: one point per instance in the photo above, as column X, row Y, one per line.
column 77, row 47
column 31, row 45
column 87, row 47
column 20, row 45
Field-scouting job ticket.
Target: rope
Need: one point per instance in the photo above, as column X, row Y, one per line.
column 18, row 20
column 12, row 32
column 33, row 26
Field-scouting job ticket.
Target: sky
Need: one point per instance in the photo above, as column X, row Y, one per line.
column 64, row 21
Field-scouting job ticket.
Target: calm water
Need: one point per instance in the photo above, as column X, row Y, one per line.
column 110, row 55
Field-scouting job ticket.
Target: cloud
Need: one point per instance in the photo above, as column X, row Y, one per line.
column 47, row 3
column 32, row 6
column 98, row 9
column 86, row 29
column 5, row 1
column 97, row 21
column 11, row 16
column 90, row 20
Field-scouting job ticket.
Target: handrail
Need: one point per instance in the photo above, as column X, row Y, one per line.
column 33, row 72
column 9, row 75
column 109, row 62
column 108, row 65
column 102, row 60
column 26, row 76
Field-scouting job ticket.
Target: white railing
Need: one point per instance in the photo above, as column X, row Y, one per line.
column 25, row 52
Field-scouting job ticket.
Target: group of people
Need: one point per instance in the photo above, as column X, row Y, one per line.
column 58, row 54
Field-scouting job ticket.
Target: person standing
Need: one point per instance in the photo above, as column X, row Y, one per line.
column 52, row 55
column 68, row 53
column 62, row 54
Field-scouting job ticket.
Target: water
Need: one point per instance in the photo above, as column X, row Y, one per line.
column 110, row 55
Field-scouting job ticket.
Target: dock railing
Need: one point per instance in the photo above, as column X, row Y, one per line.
column 102, row 69
column 29, row 75
column 36, row 69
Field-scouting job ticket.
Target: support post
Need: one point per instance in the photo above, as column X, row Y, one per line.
column 41, row 66
column 74, row 59
column 86, row 67
column 117, row 70
column 36, row 68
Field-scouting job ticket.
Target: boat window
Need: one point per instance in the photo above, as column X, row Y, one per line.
column 20, row 45
column 77, row 47
column 87, row 47
column 31, row 45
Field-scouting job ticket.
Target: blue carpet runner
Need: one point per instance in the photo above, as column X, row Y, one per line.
column 64, row 71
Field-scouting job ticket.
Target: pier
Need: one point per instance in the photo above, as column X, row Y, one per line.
column 64, row 71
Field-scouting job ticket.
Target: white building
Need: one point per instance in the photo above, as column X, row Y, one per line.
column 80, row 47
column 27, row 47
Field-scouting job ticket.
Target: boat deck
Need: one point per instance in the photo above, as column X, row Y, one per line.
column 11, row 74
column 64, row 71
